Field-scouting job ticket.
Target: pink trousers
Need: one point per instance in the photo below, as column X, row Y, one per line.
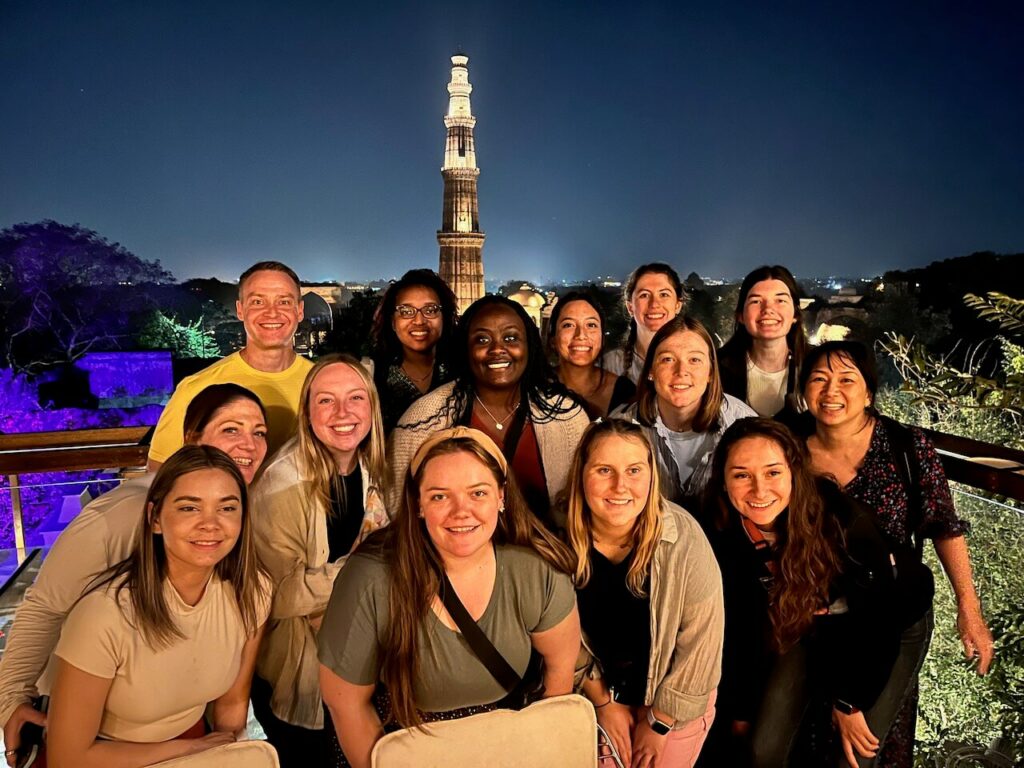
column 683, row 745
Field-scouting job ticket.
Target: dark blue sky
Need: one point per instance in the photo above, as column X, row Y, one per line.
column 212, row 134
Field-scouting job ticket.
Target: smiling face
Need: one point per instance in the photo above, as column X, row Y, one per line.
column 654, row 301
column 680, row 372
column 238, row 429
column 340, row 413
column 616, row 482
column 768, row 311
column 578, row 336
column 459, row 499
column 497, row 348
column 836, row 392
column 758, row 480
column 199, row 520
column 270, row 308
column 418, row 333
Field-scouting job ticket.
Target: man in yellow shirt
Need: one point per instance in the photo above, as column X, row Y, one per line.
column 270, row 308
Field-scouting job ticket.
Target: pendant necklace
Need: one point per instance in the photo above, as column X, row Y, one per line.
column 498, row 425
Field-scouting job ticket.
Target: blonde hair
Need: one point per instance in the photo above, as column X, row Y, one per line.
column 315, row 460
column 579, row 525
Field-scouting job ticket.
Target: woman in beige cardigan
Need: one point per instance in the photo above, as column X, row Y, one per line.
column 642, row 562
column 505, row 388
column 318, row 498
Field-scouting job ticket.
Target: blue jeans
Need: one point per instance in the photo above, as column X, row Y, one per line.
column 789, row 694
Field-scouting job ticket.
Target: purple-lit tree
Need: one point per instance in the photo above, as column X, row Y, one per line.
column 66, row 290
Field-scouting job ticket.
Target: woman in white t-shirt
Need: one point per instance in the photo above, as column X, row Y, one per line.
column 167, row 631
column 759, row 363
column 682, row 407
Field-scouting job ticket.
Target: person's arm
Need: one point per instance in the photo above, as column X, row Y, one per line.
column 80, row 552
column 615, row 718
column 231, row 709
column 560, row 647
column 974, row 631
column 76, row 710
column 355, row 720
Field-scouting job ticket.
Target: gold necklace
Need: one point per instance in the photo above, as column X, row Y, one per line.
column 498, row 425
column 417, row 379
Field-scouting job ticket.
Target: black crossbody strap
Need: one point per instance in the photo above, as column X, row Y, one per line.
column 483, row 648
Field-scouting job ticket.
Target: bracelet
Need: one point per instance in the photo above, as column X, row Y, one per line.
column 610, row 700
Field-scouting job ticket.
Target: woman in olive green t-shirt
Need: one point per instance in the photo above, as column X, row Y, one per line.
column 461, row 513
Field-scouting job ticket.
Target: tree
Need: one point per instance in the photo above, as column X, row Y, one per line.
column 66, row 290
column 185, row 340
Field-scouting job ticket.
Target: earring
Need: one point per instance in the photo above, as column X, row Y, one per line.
column 501, row 508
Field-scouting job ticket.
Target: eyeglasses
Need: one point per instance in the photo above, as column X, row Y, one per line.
column 408, row 311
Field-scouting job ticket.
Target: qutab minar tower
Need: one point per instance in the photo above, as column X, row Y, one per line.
column 460, row 238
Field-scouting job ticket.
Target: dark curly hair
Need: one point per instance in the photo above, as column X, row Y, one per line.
column 387, row 349
column 810, row 540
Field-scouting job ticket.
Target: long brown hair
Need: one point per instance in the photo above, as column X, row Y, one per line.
column 710, row 402
column 810, row 540
column 143, row 572
column 796, row 339
column 646, row 528
column 315, row 461
column 415, row 569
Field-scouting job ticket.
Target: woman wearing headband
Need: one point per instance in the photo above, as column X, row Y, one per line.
column 463, row 523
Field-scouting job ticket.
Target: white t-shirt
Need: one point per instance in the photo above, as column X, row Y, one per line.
column 766, row 392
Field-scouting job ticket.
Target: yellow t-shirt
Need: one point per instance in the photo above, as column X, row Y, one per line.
column 157, row 694
column 279, row 392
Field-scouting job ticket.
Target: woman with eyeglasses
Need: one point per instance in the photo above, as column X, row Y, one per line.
column 412, row 332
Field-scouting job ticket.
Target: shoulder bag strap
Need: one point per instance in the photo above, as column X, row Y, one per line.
column 484, row 649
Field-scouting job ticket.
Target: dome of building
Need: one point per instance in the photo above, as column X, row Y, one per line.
column 530, row 300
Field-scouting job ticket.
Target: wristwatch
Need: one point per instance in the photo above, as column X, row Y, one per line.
column 657, row 726
column 845, row 707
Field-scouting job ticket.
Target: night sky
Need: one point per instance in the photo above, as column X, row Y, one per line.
column 209, row 135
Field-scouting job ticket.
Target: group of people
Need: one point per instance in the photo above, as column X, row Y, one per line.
column 720, row 549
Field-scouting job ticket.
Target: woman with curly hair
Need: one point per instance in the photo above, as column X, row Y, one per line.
column 643, row 564
column 462, row 527
column 412, row 333
column 504, row 387
column 814, row 609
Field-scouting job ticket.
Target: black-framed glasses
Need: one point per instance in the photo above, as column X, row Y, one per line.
column 408, row 311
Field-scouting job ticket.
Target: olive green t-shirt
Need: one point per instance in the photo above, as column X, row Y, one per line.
column 529, row 596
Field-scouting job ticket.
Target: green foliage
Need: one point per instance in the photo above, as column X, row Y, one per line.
column 185, row 340
column 999, row 307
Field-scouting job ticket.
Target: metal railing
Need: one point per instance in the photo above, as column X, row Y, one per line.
column 113, row 448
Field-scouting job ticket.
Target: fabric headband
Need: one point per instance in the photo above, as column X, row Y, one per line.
column 455, row 433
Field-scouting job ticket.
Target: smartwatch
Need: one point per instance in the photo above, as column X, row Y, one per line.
column 657, row 726
column 845, row 707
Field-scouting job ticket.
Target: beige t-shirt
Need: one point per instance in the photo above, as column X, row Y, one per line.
column 156, row 695
column 766, row 391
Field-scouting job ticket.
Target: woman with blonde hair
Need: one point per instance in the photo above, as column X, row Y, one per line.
column 682, row 407
column 642, row 562
column 319, row 497
column 168, row 630
column 463, row 530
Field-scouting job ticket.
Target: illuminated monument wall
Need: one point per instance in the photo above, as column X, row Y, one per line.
column 460, row 238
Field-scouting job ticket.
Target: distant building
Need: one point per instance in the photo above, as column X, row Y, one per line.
column 460, row 238
column 531, row 300
column 329, row 292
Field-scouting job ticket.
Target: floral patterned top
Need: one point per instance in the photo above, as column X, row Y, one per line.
column 881, row 483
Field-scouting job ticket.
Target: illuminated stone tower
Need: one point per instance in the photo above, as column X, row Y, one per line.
column 460, row 238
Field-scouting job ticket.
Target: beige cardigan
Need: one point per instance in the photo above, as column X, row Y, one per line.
column 557, row 439
column 687, row 619
column 291, row 537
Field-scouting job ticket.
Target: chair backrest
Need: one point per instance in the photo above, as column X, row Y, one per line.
column 241, row 754
column 560, row 732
